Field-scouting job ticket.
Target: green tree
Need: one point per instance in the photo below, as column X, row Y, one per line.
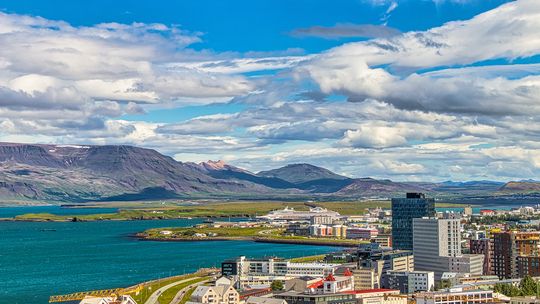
column 277, row 285
column 528, row 286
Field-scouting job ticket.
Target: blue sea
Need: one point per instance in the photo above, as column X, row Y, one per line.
column 42, row 259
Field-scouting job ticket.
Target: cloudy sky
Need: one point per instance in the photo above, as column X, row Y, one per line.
column 408, row 90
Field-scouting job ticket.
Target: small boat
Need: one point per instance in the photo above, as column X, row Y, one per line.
column 47, row 229
column 208, row 221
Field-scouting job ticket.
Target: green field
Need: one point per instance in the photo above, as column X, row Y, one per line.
column 221, row 232
column 168, row 295
column 171, row 210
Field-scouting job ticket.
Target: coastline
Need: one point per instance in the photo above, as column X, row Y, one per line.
column 314, row 242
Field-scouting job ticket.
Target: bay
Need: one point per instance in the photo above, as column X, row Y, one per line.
column 39, row 259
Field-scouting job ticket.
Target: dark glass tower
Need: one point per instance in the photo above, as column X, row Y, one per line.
column 404, row 210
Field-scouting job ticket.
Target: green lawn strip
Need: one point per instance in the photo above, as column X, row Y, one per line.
column 228, row 232
column 308, row 259
column 168, row 295
column 221, row 209
column 187, row 296
column 151, row 287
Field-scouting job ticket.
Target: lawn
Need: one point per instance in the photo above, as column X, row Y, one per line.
column 215, row 209
column 168, row 295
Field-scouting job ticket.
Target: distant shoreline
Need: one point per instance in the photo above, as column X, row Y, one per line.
column 314, row 242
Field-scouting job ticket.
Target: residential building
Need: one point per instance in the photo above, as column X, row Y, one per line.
column 293, row 297
column 379, row 296
column 260, row 272
column 322, row 220
column 384, row 240
column 404, row 210
column 362, row 232
column 483, row 246
column 455, row 297
column 516, row 254
column 467, row 263
column 409, row 281
column 374, row 261
column 220, row 294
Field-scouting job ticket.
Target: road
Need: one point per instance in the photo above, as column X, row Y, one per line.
column 153, row 299
column 178, row 297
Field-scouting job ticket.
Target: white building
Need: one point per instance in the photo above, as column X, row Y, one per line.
column 435, row 242
column 455, row 297
column 248, row 272
column 221, row 294
column 467, row 263
column 409, row 281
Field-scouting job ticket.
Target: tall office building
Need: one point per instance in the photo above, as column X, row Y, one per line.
column 404, row 210
column 434, row 240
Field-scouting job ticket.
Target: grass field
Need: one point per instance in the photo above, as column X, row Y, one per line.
column 168, row 295
column 227, row 232
column 214, row 209
column 152, row 286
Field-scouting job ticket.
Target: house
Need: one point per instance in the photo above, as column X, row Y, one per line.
column 220, row 294
column 108, row 300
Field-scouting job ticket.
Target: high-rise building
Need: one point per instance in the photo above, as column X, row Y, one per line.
column 433, row 241
column 404, row 210
column 516, row 254
column 484, row 246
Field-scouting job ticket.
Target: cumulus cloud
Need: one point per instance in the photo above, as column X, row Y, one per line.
column 462, row 119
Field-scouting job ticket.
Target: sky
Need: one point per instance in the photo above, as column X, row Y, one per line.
column 415, row 90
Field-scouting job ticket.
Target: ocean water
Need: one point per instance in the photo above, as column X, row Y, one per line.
column 41, row 259
column 14, row 211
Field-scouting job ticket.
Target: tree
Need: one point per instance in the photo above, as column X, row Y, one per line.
column 277, row 285
column 442, row 284
column 528, row 286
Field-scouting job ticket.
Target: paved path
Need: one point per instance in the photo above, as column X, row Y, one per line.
column 180, row 295
column 153, row 299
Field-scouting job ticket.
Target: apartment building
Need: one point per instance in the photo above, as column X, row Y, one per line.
column 409, row 281
column 221, row 294
column 455, row 297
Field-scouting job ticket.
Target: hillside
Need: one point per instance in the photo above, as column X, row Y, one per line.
column 69, row 173
column 521, row 186
column 301, row 173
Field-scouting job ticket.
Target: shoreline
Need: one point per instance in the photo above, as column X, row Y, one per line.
column 313, row 242
column 79, row 219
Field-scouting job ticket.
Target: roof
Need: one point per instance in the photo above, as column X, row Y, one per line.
column 330, row 278
column 264, row 300
column 375, row 290
column 316, row 284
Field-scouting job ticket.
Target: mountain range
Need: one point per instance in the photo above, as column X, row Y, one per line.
column 73, row 173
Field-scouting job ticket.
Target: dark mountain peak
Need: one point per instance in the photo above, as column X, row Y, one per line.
column 302, row 173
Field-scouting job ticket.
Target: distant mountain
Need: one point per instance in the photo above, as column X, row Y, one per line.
column 118, row 172
column 302, row 173
column 56, row 172
column 369, row 187
column 220, row 170
column 521, row 186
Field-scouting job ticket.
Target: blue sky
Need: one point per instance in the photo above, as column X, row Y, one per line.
column 407, row 90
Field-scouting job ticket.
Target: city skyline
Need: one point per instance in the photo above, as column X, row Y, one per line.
column 406, row 90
